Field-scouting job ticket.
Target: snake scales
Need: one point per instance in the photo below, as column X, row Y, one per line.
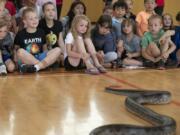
column 162, row 125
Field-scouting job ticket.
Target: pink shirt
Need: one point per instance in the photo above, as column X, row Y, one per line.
column 160, row 3
column 142, row 20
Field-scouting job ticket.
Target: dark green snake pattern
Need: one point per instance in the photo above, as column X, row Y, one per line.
column 161, row 124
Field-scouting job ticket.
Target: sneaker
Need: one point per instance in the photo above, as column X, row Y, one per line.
column 119, row 62
column 3, row 70
column 148, row 63
column 27, row 68
column 160, row 65
column 171, row 63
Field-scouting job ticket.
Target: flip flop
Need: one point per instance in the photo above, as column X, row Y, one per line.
column 102, row 69
column 92, row 71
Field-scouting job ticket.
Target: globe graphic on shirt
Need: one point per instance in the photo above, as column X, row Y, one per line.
column 33, row 48
column 51, row 39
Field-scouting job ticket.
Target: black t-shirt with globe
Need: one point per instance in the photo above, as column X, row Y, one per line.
column 31, row 42
column 52, row 33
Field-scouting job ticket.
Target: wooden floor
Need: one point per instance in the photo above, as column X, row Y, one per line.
column 59, row 103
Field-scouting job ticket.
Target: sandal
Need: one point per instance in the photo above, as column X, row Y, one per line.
column 102, row 69
column 92, row 71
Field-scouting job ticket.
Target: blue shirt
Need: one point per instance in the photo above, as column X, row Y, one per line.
column 176, row 40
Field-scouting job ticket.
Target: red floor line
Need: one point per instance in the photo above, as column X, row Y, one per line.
column 122, row 81
column 134, row 86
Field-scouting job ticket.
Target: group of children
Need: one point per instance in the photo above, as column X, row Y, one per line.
column 118, row 39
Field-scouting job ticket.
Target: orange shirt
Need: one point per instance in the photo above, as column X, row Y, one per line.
column 142, row 20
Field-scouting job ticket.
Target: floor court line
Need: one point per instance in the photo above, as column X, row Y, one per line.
column 134, row 86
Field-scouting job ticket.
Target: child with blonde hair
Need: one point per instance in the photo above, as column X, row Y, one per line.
column 79, row 48
column 30, row 43
column 156, row 44
column 6, row 48
column 143, row 16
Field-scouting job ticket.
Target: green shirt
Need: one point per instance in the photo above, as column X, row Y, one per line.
column 148, row 38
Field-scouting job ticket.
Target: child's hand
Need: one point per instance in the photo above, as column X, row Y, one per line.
column 157, row 59
column 165, row 55
column 85, row 56
column 129, row 55
column 100, row 56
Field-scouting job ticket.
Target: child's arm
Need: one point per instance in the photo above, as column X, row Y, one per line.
column 61, row 42
column 171, row 49
column 1, row 60
column 45, row 48
column 133, row 55
column 72, row 53
column 166, row 35
column 120, row 47
column 16, row 47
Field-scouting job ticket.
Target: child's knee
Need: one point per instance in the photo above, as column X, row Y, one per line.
column 20, row 52
column 152, row 45
column 11, row 68
column 58, row 50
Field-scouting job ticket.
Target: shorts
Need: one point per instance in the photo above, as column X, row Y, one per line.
column 40, row 57
column 6, row 57
column 70, row 67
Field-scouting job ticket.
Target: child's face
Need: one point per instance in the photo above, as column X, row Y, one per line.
column 82, row 26
column 108, row 12
column 167, row 21
column 31, row 20
column 103, row 30
column 79, row 9
column 49, row 12
column 119, row 12
column 150, row 5
column 127, row 29
column 129, row 4
column 3, row 32
column 155, row 26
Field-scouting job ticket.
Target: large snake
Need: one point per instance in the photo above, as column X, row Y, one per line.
column 162, row 125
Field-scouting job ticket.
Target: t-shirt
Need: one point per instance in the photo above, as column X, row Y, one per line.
column 52, row 33
column 148, row 38
column 117, row 26
column 106, row 43
column 142, row 20
column 133, row 45
column 31, row 42
column 6, row 44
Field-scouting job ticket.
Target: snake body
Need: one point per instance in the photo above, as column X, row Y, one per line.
column 161, row 124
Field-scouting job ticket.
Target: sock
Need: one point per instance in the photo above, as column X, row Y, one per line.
column 37, row 67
